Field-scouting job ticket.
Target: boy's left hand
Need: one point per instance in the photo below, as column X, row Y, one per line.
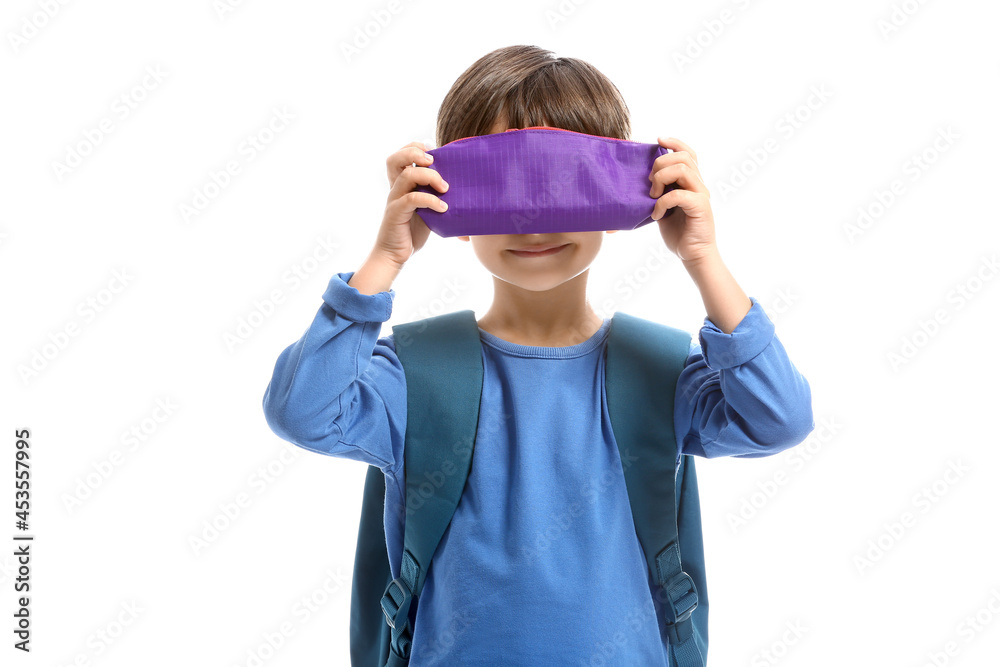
column 689, row 229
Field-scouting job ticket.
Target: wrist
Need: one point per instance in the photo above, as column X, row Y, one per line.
column 385, row 262
column 375, row 275
column 705, row 260
column 726, row 304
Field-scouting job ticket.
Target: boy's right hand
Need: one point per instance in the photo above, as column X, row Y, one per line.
column 403, row 232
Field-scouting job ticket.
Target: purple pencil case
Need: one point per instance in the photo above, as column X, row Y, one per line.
column 540, row 180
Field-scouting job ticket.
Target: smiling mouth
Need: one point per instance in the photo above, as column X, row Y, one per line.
column 538, row 253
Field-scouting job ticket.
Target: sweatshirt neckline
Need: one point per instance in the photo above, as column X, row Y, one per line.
column 539, row 351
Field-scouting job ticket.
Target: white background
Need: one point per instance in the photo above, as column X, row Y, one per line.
column 841, row 305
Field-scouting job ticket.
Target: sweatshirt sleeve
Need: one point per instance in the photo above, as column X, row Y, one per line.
column 340, row 390
column 739, row 394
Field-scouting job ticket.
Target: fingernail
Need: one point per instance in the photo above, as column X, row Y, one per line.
column 429, row 156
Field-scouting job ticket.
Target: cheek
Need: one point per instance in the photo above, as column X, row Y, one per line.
column 588, row 251
column 489, row 255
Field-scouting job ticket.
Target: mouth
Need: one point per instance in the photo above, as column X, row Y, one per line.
column 538, row 250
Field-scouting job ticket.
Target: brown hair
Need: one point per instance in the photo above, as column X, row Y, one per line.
column 524, row 86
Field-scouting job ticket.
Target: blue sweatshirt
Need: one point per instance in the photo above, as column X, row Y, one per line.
column 540, row 564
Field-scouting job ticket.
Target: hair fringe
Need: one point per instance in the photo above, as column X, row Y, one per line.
column 525, row 85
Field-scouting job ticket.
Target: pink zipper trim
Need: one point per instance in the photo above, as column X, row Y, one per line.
column 540, row 127
column 563, row 129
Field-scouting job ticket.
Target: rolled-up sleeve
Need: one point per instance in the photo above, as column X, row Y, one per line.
column 739, row 394
column 340, row 390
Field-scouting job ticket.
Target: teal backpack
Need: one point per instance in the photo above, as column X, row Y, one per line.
column 442, row 362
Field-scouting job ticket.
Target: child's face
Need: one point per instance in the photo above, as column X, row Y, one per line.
column 542, row 272
column 539, row 272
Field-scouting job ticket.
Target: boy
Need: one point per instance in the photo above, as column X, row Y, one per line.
column 514, row 581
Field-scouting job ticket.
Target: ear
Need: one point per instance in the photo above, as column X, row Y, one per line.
column 463, row 238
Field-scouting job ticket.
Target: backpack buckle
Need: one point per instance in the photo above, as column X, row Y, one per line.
column 396, row 603
column 682, row 599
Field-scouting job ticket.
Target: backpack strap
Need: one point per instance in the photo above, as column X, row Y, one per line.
column 644, row 360
column 692, row 546
column 369, row 632
column 443, row 365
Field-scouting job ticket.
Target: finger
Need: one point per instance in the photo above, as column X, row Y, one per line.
column 681, row 174
column 411, row 154
column 687, row 201
column 407, row 204
column 411, row 176
column 677, row 145
column 668, row 159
